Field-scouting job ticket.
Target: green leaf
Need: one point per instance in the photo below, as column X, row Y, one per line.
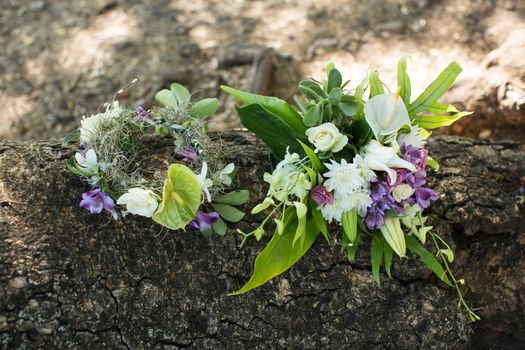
column 389, row 253
column 71, row 137
column 349, row 221
column 219, row 227
column 429, row 259
column 376, row 255
column 314, row 115
column 361, row 132
column 436, row 121
column 181, row 197
column 403, row 80
column 228, row 213
column 166, row 98
column 335, row 96
column 318, row 219
column 435, row 90
column 433, row 164
column 359, row 92
column 312, row 90
column 449, row 254
column 300, row 231
column 349, row 109
column 280, row 254
column 394, row 235
column 278, row 107
column 334, row 80
column 271, row 129
column 300, row 103
column 72, row 167
column 376, row 86
column 204, row 108
column 316, row 163
column 350, row 251
column 233, row 198
column 181, row 94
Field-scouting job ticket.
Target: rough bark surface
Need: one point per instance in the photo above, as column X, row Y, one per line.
column 73, row 280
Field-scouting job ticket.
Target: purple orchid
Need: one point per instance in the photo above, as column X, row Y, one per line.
column 378, row 189
column 414, row 155
column 375, row 218
column 141, row 114
column 82, row 146
column 401, row 176
column 321, row 196
column 203, row 221
column 96, row 200
column 416, row 179
column 424, row 196
column 189, row 155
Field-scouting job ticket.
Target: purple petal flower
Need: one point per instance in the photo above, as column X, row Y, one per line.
column 96, row 200
column 424, row 196
column 203, row 221
column 375, row 218
column 378, row 189
column 189, row 155
column 401, row 176
column 82, row 146
column 321, row 196
column 417, row 179
column 142, row 114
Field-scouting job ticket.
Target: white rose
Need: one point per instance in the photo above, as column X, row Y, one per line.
column 379, row 157
column 326, row 137
column 139, row 201
column 402, row 192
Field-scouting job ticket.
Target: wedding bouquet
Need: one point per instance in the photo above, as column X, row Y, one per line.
column 193, row 191
column 359, row 164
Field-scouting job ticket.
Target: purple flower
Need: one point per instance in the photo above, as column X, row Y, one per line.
column 96, row 200
column 424, row 196
column 417, row 179
column 401, row 176
column 378, row 189
column 321, row 196
column 142, row 114
column 189, row 155
column 203, row 221
column 82, row 146
column 375, row 218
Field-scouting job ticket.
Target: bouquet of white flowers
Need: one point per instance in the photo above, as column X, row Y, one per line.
column 355, row 163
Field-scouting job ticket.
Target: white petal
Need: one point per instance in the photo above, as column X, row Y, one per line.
column 80, row 158
column 91, row 158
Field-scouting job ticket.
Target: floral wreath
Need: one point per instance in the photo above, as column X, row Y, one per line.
column 358, row 164
column 192, row 192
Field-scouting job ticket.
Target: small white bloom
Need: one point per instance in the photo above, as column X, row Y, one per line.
column 326, row 138
column 301, row 209
column 402, row 192
column 224, row 177
column 288, row 178
column 384, row 158
column 90, row 126
column 205, row 182
column 364, row 170
column 87, row 161
column 332, row 212
column 139, row 201
column 385, row 114
column 413, row 138
column 360, row 200
column 343, row 178
column 413, row 220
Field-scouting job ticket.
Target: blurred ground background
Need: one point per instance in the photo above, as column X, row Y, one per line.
column 60, row 60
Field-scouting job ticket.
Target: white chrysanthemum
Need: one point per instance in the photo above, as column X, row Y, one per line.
column 343, row 178
column 366, row 173
column 90, row 126
column 413, row 138
column 332, row 212
column 360, row 200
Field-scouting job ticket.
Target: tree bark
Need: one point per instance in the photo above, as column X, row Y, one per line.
column 74, row 280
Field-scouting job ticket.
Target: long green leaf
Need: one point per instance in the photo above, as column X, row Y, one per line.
column 349, row 221
column 280, row 254
column 314, row 159
column 389, row 253
column 271, row 129
column 71, row 137
column 318, row 219
column 427, row 257
column 403, row 80
column 376, row 255
column 376, row 86
column 359, row 92
column 204, row 108
column 278, row 107
column 233, row 198
column 350, row 251
column 436, row 121
column 435, row 90
column 228, row 213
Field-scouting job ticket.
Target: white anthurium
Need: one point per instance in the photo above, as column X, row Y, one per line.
column 384, row 158
column 204, row 181
column 386, row 113
column 224, row 176
column 326, row 138
column 88, row 160
column 139, row 201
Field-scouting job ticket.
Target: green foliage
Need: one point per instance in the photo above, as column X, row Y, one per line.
column 233, row 198
column 376, row 255
column 204, row 108
column 403, row 80
column 228, row 213
column 376, row 86
column 181, row 197
column 177, row 97
column 71, row 137
column 429, row 259
column 314, row 160
column 349, row 221
column 351, row 250
column 219, row 227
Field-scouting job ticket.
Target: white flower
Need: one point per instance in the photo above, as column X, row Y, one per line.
column 205, row 182
column 288, row 178
column 364, row 170
column 326, row 138
column 413, row 138
column 385, row 114
column 413, row 220
column 379, row 157
column 343, row 178
column 332, row 212
column 402, row 192
column 87, row 161
column 139, row 201
column 360, row 200
column 224, row 177
column 90, row 126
